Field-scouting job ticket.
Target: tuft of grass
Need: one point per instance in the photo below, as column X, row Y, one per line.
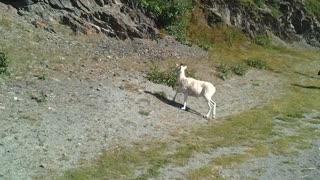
column 223, row 71
column 144, row 113
column 3, row 63
column 240, row 69
column 257, row 63
column 229, row 160
column 183, row 153
column 260, row 150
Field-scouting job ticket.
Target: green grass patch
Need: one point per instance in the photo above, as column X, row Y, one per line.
column 313, row 7
column 260, row 150
column 200, row 173
column 230, row 160
column 313, row 121
column 121, row 163
column 5, row 22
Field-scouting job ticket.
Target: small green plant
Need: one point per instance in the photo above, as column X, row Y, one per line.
column 223, row 71
column 240, row 69
column 144, row 113
column 3, row 63
column 263, row 40
column 258, row 64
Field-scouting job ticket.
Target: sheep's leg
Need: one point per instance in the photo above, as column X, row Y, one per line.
column 214, row 109
column 185, row 102
column 174, row 97
column 210, row 108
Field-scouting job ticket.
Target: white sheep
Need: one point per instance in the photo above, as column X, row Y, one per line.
column 196, row 88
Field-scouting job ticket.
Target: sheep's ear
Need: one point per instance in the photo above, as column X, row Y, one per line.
column 185, row 67
column 177, row 65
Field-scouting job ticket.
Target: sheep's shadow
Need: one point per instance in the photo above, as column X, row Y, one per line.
column 307, row 75
column 172, row 103
column 307, row 87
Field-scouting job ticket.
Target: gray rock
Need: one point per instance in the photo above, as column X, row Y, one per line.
column 113, row 18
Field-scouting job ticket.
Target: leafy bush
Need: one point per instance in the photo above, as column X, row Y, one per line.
column 3, row 63
column 166, row 11
column 163, row 77
column 258, row 64
column 240, row 69
column 167, row 77
column 263, row 40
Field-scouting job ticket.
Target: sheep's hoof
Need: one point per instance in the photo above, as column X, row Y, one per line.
column 183, row 108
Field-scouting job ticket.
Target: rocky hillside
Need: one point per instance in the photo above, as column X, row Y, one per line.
column 291, row 20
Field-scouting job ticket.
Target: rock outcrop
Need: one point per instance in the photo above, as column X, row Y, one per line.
column 115, row 18
column 291, row 23
column 287, row 19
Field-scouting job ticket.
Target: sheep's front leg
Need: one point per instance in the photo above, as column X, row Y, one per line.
column 174, row 97
column 185, row 101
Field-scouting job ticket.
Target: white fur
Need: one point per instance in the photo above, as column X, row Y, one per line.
column 196, row 88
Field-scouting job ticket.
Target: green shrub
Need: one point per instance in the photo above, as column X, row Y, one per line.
column 167, row 77
column 223, row 71
column 163, row 77
column 240, row 69
column 3, row 63
column 258, row 64
column 166, row 11
column 263, row 40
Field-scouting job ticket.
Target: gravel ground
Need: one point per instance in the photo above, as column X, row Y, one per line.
column 92, row 95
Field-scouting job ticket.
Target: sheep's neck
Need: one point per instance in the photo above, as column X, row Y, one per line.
column 181, row 75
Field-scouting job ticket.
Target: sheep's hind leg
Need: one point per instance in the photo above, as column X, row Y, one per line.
column 210, row 108
column 214, row 109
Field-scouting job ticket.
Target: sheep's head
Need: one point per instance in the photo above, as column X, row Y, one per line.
column 180, row 68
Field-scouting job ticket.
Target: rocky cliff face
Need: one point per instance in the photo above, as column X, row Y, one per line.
column 121, row 19
column 113, row 17
column 291, row 23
